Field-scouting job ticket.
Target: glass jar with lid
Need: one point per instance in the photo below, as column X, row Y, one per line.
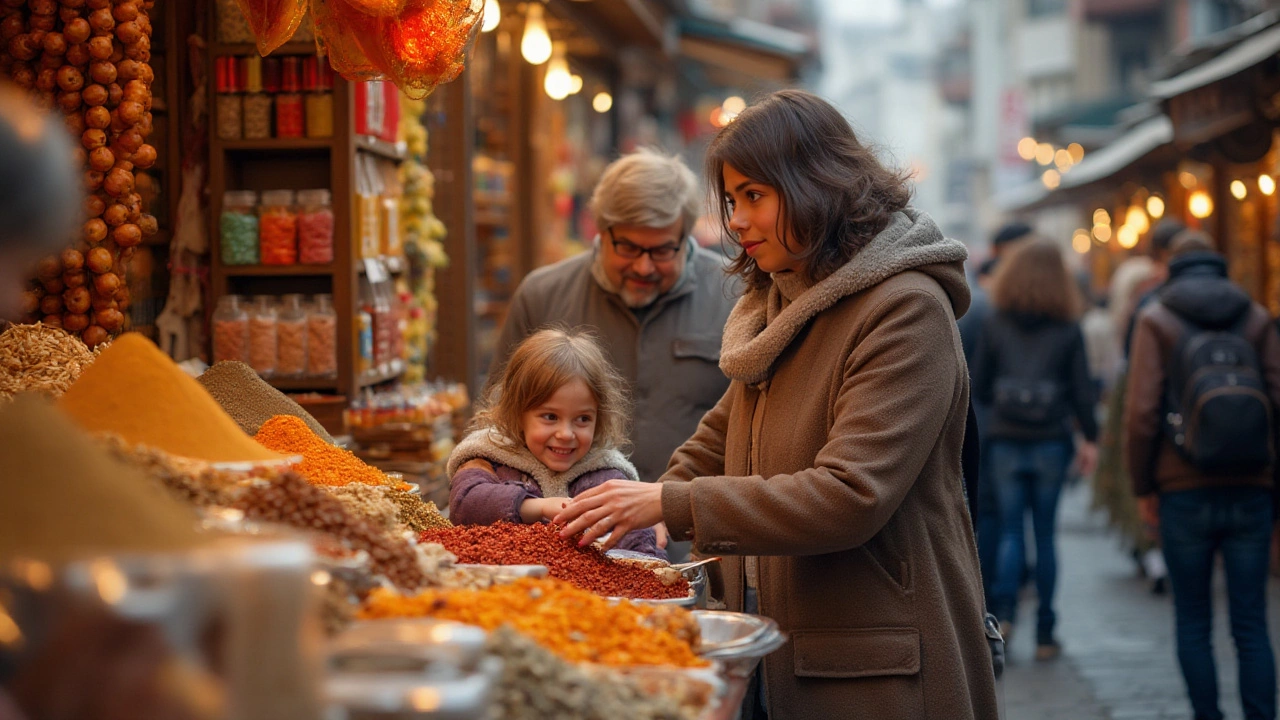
column 291, row 337
column 315, row 227
column 278, row 228
column 230, row 330
column 322, row 338
column 238, row 228
column 262, row 336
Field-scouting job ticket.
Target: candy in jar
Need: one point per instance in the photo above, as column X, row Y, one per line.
column 278, row 228
column 238, row 228
column 322, row 338
column 262, row 336
column 291, row 337
column 315, row 227
column 230, row 330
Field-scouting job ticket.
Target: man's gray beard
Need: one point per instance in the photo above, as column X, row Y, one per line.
column 628, row 297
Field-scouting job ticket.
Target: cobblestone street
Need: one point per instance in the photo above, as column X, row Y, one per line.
column 1118, row 659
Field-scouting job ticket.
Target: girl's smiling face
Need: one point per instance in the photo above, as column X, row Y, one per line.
column 755, row 209
column 559, row 431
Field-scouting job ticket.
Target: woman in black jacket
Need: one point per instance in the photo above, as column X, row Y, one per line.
column 1032, row 371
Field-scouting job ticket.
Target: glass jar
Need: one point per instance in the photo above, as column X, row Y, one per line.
column 315, row 227
column 291, row 336
column 230, row 330
column 257, row 104
column 238, row 228
column 290, row 114
column 229, row 104
column 278, row 228
column 318, row 84
column 262, row 336
column 322, row 338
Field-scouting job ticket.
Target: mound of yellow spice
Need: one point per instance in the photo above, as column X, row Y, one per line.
column 135, row 391
column 576, row 625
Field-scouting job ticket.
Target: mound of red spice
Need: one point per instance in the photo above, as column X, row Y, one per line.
column 507, row 543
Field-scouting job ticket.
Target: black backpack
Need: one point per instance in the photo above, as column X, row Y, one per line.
column 1217, row 412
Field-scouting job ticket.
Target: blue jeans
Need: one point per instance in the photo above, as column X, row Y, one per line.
column 1196, row 525
column 1028, row 474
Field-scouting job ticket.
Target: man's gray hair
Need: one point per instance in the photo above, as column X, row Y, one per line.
column 649, row 189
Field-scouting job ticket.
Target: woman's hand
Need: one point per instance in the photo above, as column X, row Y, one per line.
column 617, row 506
column 1086, row 458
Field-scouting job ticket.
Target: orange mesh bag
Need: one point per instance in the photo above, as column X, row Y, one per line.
column 273, row 22
column 350, row 39
column 428, row 42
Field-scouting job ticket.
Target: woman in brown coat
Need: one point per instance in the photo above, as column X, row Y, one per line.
column 829, row 472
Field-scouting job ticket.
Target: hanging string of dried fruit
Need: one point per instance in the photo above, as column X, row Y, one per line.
column 417, row 44
column 89, row 58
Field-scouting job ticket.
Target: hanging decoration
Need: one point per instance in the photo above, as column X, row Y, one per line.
column 416, row 44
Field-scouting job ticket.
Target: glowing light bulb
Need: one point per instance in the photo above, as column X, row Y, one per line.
column 575, row 84
column 535, row 45
column 1267, row 184
column 492, row 15
column 1027, row 148
column 1051, row 179
column 1200, row 204
column 1238, row 190
column 1137, row 219
column 1063, row 160
column 1101, row 217
column 1102, row 233
column 1080, row 241
column 1155, row 206
column 602, row 102
column 1044, row 153
column 558, row 82
column 734, row 105
column 1077, row 152
column 1127, row 236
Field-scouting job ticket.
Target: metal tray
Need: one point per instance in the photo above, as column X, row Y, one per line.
column 724, row 631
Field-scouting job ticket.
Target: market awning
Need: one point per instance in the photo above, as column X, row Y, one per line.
column 1243, row 56
column 745, row 46
column 1142, row 140
column 1129, row 148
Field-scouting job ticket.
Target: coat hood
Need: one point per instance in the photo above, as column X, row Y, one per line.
column 1198, row 290
column 762, row 324
column 489, row 444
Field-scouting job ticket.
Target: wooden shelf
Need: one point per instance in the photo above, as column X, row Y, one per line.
column 278, row 144
column 391, row 151
column 303, row 383
column 289, row 48
column 393, row 374
column 276, row 270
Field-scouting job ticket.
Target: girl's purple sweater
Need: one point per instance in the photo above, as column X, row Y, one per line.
column 479, row 497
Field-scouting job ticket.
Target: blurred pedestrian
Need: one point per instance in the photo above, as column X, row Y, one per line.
column 1159, row 250
column 1032, row 371
column 39, row 194
column 987, row 517
column 1201, row 433
column 829, row 475
column 655, row 300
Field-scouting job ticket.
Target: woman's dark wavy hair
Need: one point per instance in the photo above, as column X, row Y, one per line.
column 835, row 194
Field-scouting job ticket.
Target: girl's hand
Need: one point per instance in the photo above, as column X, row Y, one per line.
column 617, row 506
column 538, row 509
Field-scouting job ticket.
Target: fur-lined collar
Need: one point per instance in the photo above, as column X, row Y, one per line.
column 489, row 444
column 763, row 323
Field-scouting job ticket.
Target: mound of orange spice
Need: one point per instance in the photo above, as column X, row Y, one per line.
column 322, row 463
column 575, row 624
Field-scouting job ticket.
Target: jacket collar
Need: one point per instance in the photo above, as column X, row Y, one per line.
column 489, row 444
column 762, row 324
column 1202, row 264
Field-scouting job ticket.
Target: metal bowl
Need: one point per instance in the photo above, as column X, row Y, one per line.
column 401, row 644
column 737, row 640
column 697, row 589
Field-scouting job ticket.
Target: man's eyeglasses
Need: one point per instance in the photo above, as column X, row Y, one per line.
column 631, row 251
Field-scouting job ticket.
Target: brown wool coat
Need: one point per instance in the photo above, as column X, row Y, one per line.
column 835, row 456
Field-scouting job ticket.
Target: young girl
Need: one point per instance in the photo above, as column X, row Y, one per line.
column 551, row 431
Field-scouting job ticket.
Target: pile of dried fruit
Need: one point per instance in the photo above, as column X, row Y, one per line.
column 540, row 544
column 41, row 358
column 89, row 58
column 575, row 624
column 193, row 481
column 418, row 514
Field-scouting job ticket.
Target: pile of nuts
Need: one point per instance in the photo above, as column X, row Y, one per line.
column 89, row 58
column 291, row 500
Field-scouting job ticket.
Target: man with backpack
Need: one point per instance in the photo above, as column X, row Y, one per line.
column 1200, row 428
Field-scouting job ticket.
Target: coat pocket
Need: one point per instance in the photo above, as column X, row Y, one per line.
column 874, row 672
column 702, row 347
column 870, row 652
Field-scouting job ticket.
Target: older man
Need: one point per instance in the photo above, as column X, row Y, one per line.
column 657, row 301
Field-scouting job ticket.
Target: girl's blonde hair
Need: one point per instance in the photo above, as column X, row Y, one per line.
column 1033, row 280
column 543, row 363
